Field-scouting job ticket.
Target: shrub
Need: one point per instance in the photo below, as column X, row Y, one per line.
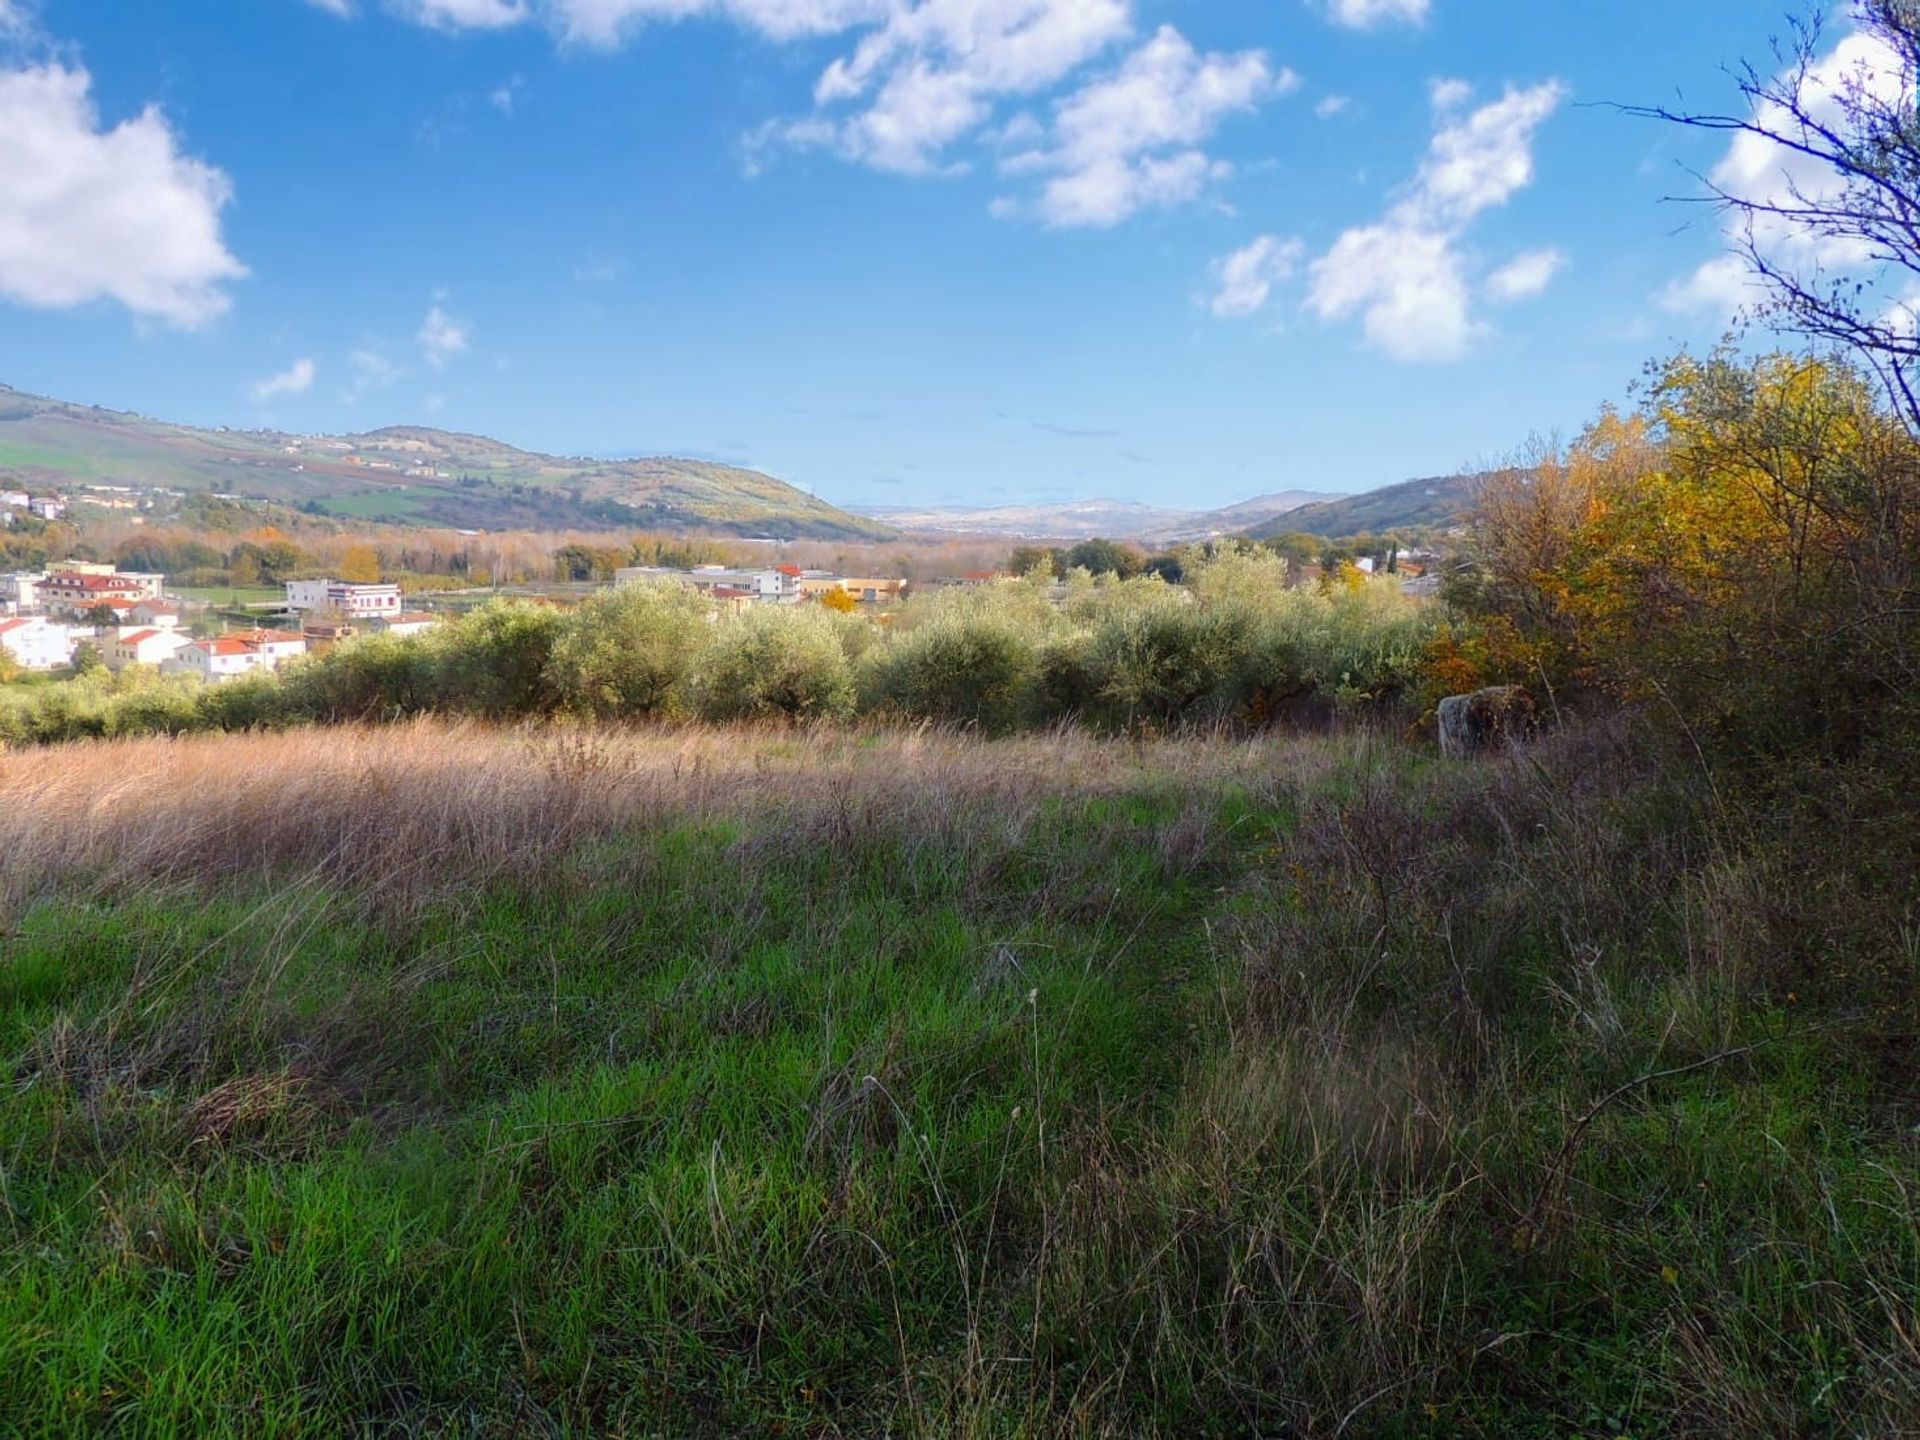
column 1164, row 665
column 370, row 677
column 965, row 670
column 774, row 662
column 494, row 661
column 629, row 651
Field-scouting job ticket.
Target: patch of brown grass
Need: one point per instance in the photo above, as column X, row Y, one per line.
column 404, row 814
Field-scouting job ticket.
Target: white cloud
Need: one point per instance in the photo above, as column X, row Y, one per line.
column 1331, row 105
column 1525, row 276
column 88, row 213
column 1407, row 284
column 1762, row 171
column 1243, row 281
column 1448, row 94
column 1369, row 14
column 467, row 14
column 931, row 74
column 296, row 379
column 1131, row 140
column 925, row 75
column 504, row 96
column 1404, row 275
column 14, row 19
column 441, row 337
column 369, row 370
column 342, row 8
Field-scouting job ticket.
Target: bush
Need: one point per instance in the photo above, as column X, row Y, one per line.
column 494, row 661
column 965, row 670
column 775, row 662
column 370, row 677
column 629, row 651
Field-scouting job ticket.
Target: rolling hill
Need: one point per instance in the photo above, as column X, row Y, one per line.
column 1438, row 501
column 409, row 475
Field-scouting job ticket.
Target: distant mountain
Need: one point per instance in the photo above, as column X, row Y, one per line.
column 409, row 475
column 1440, row 501
column 1087, row 519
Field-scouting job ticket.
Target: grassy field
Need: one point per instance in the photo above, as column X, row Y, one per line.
column 447, row 1080
column 232, row 594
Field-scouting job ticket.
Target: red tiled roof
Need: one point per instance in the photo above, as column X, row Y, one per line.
column 68, row 579
column 6, row 625
column 730, row 592
column 789, row 570
column 137, row 637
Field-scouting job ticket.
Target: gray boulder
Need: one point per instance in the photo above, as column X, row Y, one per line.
column 1486, row 721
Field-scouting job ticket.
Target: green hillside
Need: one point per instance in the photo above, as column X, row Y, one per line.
column 408, row 474
column 1439, row 501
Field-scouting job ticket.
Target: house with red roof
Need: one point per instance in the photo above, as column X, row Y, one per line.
column 222, row 657
column 70, row 592
column 146, row 645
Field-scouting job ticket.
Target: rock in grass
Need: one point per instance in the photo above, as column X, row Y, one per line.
column 1485, row 721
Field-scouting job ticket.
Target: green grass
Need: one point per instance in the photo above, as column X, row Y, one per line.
column 949, row 1096
column 231, row 594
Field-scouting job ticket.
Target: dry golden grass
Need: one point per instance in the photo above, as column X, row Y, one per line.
column 402, row 813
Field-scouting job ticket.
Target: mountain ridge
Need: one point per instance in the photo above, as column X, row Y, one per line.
column 413, row 474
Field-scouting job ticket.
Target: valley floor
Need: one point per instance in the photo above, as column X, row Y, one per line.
column 451, row 1080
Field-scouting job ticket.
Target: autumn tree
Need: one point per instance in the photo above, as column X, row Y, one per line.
column 360, row 565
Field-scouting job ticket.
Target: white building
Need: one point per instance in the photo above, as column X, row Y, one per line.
column 408, row 622
column 20, row 591
column 143, row 646
column 355, row 602
column 36, row 643
column 160, row 614
column 773, row 586
column 222, row 657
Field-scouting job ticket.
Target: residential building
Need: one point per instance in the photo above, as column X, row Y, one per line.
column 355, row 602
column 13, row 499
column 73, row 592
column 36, row 643
column 47, row 507
column 144, row 646
column 407, row 622
column 160, row 614
column 20, row 591
column 222, row 657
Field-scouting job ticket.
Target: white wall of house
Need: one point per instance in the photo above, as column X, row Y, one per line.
column 37, row 644
column 143, row 645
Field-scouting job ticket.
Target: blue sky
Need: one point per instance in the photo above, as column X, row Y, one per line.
column 897, row 251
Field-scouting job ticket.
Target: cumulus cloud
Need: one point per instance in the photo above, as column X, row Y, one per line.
column 1525, row 276
column 90, row 213
column 1331, row 105
column 1371, row 14
column 1132, row 140
column 922, row 76
column 933, row 72
column 1243, row 281
column 441, row 337
column 1764, row 172
column 1404, row 275
column 296, row 379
